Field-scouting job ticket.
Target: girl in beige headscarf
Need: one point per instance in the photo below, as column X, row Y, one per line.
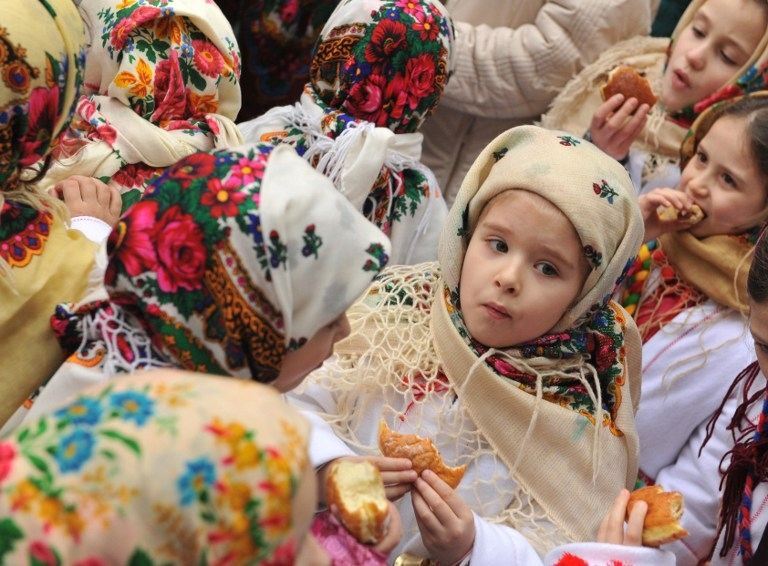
column 508, row 354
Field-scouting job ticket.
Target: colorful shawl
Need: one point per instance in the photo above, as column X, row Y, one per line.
column 276, row 38
column 378, row 71
column 41, row 262
column 161, row 82
column 166, row 468
column 230, row 260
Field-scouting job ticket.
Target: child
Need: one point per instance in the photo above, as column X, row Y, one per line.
column 379, row 69
column 238, row 262
column 159, row 468
column 42, row 260
column 718, row 51
column 688, row 292
column 161, row 83
column 507, row 355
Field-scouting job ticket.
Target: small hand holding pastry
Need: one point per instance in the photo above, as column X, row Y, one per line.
column 668, row 210
column 420, row 451
column 612, row 528
column 665, row 508
column 446, row 523
column 86, row 196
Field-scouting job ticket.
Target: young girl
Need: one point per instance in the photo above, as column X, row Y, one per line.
column 718, row 51
column 160, row 468
column 238, row 262
column 508, row 355
column 42, row 260
column 690, row 286
column 378, row 71
column 161, row 82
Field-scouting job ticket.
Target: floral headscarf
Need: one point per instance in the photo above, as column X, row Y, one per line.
column 595, row 194
column 378, row 70
column 752, row 77
column 234, row 258
column 157, row 469
column 161, row 82
column 41, row 45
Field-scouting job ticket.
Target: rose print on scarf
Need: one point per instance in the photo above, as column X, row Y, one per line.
column 312, row 242
column 604, row 190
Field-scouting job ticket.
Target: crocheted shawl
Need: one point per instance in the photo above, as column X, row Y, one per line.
column 161, row 468
column 557, row 412
column 378, row 70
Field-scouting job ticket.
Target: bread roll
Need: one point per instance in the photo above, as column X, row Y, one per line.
column 671, row 214
column 627, row 81
column 664, row 510
column 357, row 491
column 420, row 451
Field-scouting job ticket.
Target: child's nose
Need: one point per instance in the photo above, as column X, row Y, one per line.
column 696, row 57
column 509, row 280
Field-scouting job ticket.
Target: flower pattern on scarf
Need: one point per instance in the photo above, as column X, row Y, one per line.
column 166, row 70
column 600, row 341
column 390, row 71
column 23, row 232
column 81, row 474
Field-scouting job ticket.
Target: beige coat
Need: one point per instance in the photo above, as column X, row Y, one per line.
column 508, row 74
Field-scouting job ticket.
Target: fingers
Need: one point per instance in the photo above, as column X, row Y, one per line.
column 634, row 533
column 394, row 532
column 606, row 109
column 633, row 127
column 424, row 515
column 436, row 500
column 69, row 189
column 386, row 464
column 612, row 528
column 115, row 201
column 395, row 492
column 619, row 118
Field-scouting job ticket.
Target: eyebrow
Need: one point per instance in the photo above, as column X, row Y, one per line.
column 551, row 250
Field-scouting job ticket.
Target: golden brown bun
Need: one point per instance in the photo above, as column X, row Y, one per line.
column 627, row 81
column 420, row 451
column 664, row 510
column 357, row 491
column 671, row 214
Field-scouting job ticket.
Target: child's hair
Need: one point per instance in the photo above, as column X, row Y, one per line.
column 755, row 110
column 757, row 281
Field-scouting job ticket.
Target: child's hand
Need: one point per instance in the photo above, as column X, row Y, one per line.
column 394, row 532
column 397, row 474
column 616, row 124
column 612, row 528
column 649, row 202
column 446, row 523
column 86, row 196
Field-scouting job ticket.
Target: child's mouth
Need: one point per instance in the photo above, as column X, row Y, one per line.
column 496, row 311
column 680, row 79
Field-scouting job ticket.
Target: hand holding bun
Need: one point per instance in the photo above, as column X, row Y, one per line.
column 664, row 510
column 356, row 490
column 627, row 81
column 672, row 214
column 420, row 451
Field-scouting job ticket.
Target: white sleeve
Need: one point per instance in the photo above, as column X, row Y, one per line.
column 499, row 544
column 505, row 72
column 698, row 479
column 92, row 228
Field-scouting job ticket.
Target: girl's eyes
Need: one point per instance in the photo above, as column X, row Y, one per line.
column 729, row 180
column 499, row 245
column 547, row 269
column 697, row 32
column 726, row 59
column 762, row 347
column 701, row 156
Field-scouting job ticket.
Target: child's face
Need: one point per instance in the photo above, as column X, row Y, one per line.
column 523, row 269
column 758, row 325
column 711, row 49
column 723, row 179
column 300, row 363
